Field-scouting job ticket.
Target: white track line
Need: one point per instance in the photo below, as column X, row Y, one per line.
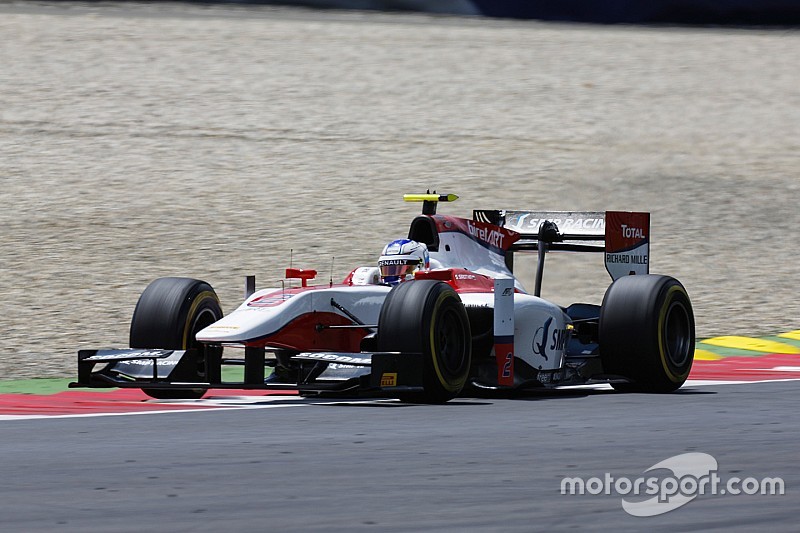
column 230, row 403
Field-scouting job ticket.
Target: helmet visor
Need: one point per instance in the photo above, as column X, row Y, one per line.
column 392, row 268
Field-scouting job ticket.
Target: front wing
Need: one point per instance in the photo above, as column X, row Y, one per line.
column 379, row 373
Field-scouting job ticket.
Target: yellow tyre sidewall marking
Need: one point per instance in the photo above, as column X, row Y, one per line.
column 456, row 386
column 199, row 299
column 662, row 352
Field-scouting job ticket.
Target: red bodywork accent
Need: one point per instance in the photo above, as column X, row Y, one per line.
column 460, row 279
column 305, row 334
column 302, row 275
column 348, row 280
column 493, row 237
column 636, row 230
column 504, row 355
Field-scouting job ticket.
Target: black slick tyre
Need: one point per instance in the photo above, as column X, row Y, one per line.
column 168, row 315
column 427, row 316
column 647, row 333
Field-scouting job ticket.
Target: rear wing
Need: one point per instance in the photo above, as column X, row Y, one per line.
column 623, row 236
column 578, row 231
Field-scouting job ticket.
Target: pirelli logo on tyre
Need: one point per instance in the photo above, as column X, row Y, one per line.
column 389, row 379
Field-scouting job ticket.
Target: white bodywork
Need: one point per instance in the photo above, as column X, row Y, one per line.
column 540, row 327
column 457, row 250
column 537, row 342
column 248, row 322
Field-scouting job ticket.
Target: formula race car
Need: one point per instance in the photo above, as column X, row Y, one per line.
column 441, row 315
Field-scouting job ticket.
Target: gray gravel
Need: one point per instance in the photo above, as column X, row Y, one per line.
column 139, row 141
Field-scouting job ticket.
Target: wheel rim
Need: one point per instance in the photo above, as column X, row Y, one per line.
column 450, row 342
column 204, row 318
column 677, row 333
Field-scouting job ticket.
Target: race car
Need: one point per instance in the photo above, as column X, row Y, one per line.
column 440, row 315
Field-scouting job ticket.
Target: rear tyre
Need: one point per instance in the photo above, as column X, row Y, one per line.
column 427, row 316
column 168, row 315
column 647, row 333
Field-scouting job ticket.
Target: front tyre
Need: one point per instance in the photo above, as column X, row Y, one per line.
column 427, row 316
column 647, row 333
column 168, row 315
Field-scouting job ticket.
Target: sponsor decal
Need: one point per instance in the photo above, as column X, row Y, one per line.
column 567, row 224
column 592, row 223
column 341, row 366
column 490, row 236
column 545, row 341
column 149, row 362
column 627, row 259
column 389, row 379
column 632, row 233
column 627, row 243
column 334, row 357
column 626, row 231
column 495, row 238
column 127, row 354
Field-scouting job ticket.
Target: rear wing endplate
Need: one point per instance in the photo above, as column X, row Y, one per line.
column 623, row 236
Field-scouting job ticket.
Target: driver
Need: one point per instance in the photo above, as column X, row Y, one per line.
column 401, row 258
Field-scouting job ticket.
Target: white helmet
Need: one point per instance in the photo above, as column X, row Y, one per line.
column 401, row 258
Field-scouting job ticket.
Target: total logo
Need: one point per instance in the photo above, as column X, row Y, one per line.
column 632, row 233
column 545, row 341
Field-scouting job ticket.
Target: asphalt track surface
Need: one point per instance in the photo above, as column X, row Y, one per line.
column 472, row 464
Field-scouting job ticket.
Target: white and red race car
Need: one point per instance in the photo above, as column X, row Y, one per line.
column 463, row 325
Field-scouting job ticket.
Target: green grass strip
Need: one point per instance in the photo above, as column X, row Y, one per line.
column 44, row 386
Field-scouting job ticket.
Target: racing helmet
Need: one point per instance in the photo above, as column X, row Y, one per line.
column 401, row 258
